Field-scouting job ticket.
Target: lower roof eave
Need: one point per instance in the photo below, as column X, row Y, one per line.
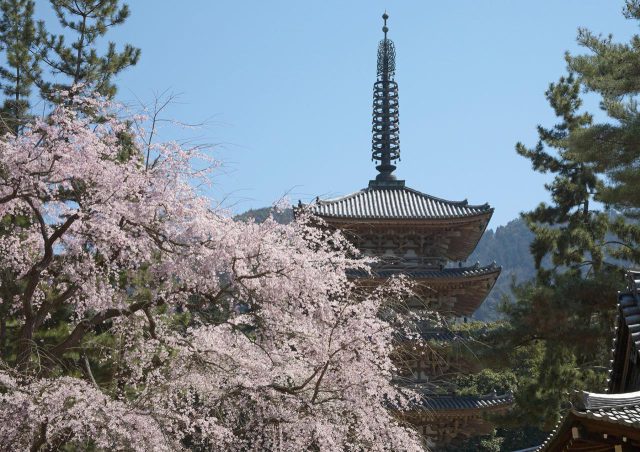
column 455, row 274
column 342, row 220
column 457, row 404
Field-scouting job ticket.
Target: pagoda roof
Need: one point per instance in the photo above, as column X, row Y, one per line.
column 456, row 403
column 477, row 280
column 451, row 402
column 395, row 203
column 431, row 274
column 607, row 410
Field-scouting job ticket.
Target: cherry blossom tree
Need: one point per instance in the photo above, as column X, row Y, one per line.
column 143, row 319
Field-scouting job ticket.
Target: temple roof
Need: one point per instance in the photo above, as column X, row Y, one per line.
column 444, row 273
column 593, row 402
column 628, row 414
column 607, row 409
column 455, row 403
column 387, row 198
column 463, row 288
column 599, row 421
column 626, row 344
column 387, row 203
column 630, row 315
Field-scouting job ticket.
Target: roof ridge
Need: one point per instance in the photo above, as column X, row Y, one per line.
column 597, row 401
column 396, row 203
column 340, row 198
column 476, row 269
column 463, row 202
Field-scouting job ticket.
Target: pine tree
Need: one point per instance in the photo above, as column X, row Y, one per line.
column 611, row 72
column 18, row 40
column 567, row 313
column 79, row 62
column 569, row 230
column 612, row 147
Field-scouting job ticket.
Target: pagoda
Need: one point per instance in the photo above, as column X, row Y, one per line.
column 426, row 239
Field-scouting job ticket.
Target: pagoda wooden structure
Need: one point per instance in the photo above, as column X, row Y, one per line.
column 426, row 239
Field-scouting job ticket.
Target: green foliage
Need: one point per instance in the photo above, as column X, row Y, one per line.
column 17, row 39
column 612, row 147
column 568, row 230
column 558, row 332
column 484, row 443
column 500, row 439
column 485, row 382
column 79, row 62
column 28, row 47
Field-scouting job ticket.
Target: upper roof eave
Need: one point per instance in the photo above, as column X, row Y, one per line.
column 398, row 220
column 399, row 203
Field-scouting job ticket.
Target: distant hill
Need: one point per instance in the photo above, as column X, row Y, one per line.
column 259, row 215
column 508, row 246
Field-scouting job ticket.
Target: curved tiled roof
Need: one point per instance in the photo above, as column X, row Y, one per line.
column 622, row 409
column 395, row 203
column 452, row 402
column 445, row 273
column 615, row 407
column 590, row 401
column 626, row 415
column 627, row 333
column 631, row 313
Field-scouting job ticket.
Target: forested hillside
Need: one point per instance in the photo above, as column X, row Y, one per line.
column 508, row 246
column 259, row 215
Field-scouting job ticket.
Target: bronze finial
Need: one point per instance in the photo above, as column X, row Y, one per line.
column 385, row 146
column 385, row 16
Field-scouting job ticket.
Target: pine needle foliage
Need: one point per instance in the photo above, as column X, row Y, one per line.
column 18, row 38
column 586, row 235
column 79, row 62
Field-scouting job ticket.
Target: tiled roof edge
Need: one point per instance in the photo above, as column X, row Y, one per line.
column 598, row 401
column 485, row 208
column 453, row 272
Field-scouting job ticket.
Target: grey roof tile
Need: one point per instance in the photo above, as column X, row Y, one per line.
column 452, row 402
column 395, row 203
column 445, row 273
column 623, row 409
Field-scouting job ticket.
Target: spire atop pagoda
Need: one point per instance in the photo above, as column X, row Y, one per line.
column 385, row 146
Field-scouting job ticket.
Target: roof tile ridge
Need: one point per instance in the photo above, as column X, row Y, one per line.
column 462, row 203
column 489, row 267
column 341, row 198
column 598, row 401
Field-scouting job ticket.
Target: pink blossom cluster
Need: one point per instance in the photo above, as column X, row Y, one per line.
column 216, row 333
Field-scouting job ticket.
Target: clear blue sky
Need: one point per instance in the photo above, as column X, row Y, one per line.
column 287, row 89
